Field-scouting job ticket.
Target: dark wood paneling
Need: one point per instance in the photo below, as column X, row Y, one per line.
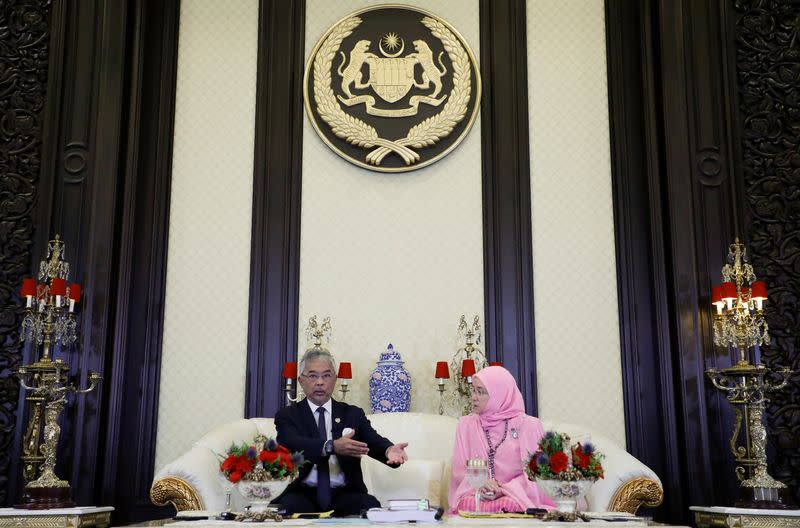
column 768, row 68
column 104, row 187
column 703, row 218
column 78, row 180
column 508, row 259
column 275, row 250
column 132, row 390
column 634, row 117
column 674, row 121
column 25, row 25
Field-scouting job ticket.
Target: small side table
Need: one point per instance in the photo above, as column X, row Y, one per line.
column 723, row 517
column 79, row 517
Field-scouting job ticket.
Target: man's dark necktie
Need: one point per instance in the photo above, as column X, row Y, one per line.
column 323, row 471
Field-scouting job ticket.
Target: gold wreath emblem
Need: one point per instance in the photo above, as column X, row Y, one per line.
column 359, row 133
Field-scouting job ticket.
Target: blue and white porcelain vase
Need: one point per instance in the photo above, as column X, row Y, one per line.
column 390, row 384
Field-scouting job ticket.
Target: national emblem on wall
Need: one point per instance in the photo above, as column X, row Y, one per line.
column 392, row 88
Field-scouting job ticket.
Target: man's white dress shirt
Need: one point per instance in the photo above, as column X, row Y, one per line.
column 337, row 477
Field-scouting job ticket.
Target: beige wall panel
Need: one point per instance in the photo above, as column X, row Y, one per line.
column 391, row 257
column 208, row 267
column 575, row 291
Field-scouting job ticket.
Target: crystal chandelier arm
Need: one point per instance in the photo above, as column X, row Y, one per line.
column 720, row 381
column 94, row 379
column 785, row 373
column 22, row 372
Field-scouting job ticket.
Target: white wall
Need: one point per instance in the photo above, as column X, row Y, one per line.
column 575, row 286
column 208, row 266
column 391, row 257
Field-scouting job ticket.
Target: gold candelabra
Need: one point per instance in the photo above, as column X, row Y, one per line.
column 49, row 322
column 316, row 333
column 739, row 322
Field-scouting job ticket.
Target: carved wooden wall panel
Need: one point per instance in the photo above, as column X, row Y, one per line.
column 768, row 67
column 24, row 46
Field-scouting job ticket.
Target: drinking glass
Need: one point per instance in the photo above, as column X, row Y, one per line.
column 477, row 474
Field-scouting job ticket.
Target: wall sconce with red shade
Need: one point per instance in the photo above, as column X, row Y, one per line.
column 289, row 375
column 468, row 370
column 442, row 373
column 345, row 374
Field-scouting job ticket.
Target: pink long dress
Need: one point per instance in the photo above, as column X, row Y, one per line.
column 522, row 437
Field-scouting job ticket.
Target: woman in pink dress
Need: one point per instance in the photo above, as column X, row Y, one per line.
column 501, row 433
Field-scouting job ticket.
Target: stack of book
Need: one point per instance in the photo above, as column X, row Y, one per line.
column 406, row 510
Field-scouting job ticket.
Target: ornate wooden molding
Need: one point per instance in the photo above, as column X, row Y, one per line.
column 175, row 491
column 767, row 55
column 650, row 418
column 134, row 376
column 23, row 81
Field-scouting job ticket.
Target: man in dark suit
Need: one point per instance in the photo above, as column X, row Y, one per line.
column 333, row 437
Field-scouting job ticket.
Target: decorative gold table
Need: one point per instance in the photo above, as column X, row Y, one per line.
column 723, row 517
column 81, row 517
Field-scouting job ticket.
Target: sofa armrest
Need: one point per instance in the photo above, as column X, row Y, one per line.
column 635, row 493
column 190, row 482
column 175, row 491
column 628, row 483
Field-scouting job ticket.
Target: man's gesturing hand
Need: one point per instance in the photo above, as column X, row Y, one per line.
column 346, row 446
column 396, row 454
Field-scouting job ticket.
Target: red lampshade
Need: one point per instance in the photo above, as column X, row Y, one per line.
column 442, row 372
column 495, row 364
column 716, row 294
column 728, row 291
column 75, row 292
column 28, row 288
column 759, row 290
column 58, row 287
column 467, row 368
column 345, row 370
column 290, row 370
column 745, row 293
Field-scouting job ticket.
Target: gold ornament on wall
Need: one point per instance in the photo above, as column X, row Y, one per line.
column 392, row 88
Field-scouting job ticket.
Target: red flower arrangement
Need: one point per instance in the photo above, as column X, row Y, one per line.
column 264, row 459
column 551, row 461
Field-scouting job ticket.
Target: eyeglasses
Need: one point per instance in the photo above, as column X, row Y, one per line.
column 479, row 391
column 327, row 376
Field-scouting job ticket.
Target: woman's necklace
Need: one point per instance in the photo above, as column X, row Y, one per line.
column 493, row 449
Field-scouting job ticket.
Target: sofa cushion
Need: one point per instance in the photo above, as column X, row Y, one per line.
column 415, row 479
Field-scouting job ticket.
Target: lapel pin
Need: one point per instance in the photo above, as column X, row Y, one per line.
column 337, row 420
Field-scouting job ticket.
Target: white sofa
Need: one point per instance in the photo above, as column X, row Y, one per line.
column 193, row 482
